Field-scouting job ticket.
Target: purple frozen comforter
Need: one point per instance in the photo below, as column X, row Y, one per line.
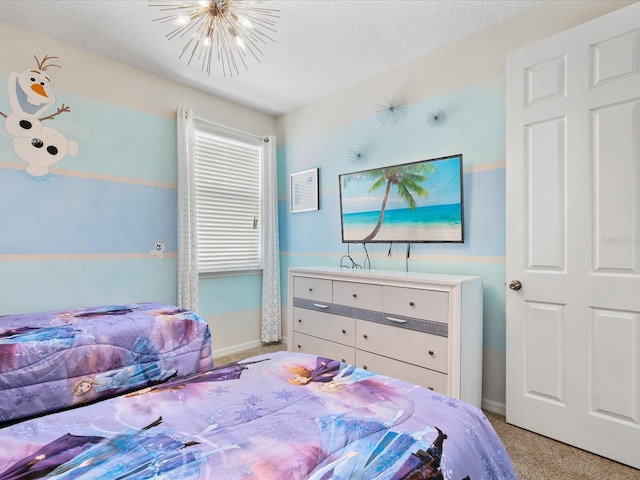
column 54, row 360
column 282, row 416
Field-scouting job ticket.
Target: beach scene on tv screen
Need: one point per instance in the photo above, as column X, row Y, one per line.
column 412, row 202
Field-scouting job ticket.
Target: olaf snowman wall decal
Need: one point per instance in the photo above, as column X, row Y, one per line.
column 30, row 96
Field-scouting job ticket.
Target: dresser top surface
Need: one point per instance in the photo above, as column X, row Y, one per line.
column 351, row 273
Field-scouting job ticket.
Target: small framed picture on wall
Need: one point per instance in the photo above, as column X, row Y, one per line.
column 304, row 191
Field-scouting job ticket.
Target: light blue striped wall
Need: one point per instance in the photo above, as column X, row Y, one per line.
column 65, row 214
column 83, row 235
column 226, row 294
column 34, row 285
column 113, row 140
column 474, row 125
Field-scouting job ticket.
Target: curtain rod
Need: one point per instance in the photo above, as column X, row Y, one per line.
column 235, row 130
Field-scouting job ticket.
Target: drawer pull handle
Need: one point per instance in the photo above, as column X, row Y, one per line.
column 344, row 331
column 299, row 320
column 355, row 295
column 344, row 361
column 365, row 367
column 310, row 289
column 319, row 305
column 431, row 352
column 299, row 346
column 411, row 304
column 396, row 320
column 365, row 336
column 430, row 388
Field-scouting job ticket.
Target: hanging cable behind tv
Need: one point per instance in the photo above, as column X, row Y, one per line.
column 347, row 261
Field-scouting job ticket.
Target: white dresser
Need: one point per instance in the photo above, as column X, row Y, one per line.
column 424, row 328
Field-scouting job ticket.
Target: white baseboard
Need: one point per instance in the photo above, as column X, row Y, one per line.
column 494, row 407
column 232, row 350
column 241, row 347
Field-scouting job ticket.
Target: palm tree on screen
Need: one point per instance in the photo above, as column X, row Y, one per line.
column 407, row 179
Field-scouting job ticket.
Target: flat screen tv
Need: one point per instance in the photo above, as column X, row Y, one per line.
column 407, row 203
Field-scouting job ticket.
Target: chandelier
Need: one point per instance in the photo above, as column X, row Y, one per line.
column 224, row 30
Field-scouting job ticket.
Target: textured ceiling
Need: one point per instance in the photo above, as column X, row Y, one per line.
column 321, row 46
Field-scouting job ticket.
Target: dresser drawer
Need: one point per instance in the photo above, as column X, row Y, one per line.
column 393, row 368
column 359, row 295
column 317, row 289
column 322, row 348
column 324, row 325
column 422, row 349
column 413, row 302
column 418, row 327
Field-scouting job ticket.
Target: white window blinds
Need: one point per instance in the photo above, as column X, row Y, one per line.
column 228, row 189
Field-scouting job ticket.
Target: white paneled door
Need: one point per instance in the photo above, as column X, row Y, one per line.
column 573, row 236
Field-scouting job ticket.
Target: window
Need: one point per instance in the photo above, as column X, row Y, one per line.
column 227, row 172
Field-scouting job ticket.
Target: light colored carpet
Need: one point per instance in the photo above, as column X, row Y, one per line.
column 534, row 457
column 540, row 458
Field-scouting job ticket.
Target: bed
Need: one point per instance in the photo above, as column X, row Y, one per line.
column 278, row 416
column 59, row 359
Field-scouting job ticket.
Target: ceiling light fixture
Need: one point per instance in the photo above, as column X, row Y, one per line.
column 228, row 30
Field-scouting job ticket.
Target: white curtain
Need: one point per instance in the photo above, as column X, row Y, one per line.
column 270, row 248
column 187, row 234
